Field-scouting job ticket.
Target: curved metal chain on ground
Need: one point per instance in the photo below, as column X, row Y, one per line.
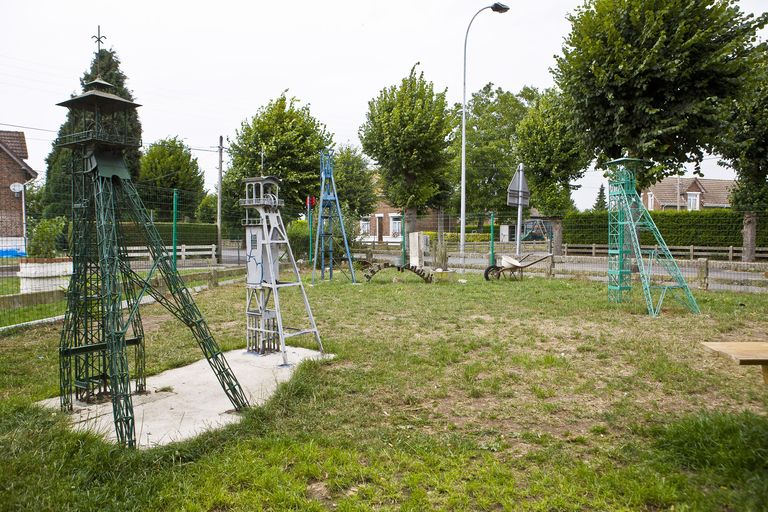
column 377, row 267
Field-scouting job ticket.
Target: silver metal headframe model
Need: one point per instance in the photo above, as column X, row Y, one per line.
column 266, row 243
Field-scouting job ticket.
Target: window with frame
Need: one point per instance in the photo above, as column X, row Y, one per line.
column 365, row 226
column 650, row 200
column 694, row 202
column 395, row 225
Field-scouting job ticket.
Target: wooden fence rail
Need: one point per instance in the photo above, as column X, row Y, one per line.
column 183, row 252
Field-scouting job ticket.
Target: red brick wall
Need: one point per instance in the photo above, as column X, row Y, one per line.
column 424, row 222
column 10, row 206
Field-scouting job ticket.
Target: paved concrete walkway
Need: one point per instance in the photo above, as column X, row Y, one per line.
column 183, row 402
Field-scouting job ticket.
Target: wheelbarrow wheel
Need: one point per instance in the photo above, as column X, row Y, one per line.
column 492, row 272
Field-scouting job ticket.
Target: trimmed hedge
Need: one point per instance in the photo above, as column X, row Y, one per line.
column 187, row 233
column 715, row 228
column 454, row 237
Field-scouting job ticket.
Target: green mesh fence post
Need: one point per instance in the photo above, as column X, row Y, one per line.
column 492, row 260
column 175, row 214
column 310, row 207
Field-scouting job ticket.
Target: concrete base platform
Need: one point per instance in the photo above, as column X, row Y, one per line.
column 184, row 402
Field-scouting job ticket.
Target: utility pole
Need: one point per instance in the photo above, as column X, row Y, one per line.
column 219, row 249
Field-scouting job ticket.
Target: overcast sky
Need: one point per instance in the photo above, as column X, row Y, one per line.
column 200, row 69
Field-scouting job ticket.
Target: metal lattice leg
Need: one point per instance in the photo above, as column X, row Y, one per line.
column 181, row 304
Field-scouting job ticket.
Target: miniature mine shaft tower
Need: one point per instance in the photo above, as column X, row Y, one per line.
column 266, row 240
column 628, row 219
column 103, row 320
column 329, row 219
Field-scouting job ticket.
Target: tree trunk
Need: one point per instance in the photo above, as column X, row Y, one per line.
column 440, row 226
column 749, row 236
column 410, row 220
column 557, row 237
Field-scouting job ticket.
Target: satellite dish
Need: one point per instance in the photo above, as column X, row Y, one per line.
column 16, row 188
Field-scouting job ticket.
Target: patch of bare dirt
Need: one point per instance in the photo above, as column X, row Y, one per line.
column 154, row 322
column 319, row 491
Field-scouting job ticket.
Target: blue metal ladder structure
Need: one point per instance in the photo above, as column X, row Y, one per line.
column 328, row 216
column 627, row 219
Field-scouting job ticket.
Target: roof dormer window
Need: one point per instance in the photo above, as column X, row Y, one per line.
column 694, row 202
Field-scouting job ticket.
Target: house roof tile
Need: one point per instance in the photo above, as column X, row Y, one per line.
column 15, row 145
column 15, row 142
column 713, row 192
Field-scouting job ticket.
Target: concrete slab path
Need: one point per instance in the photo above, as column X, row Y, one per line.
column 184, row 402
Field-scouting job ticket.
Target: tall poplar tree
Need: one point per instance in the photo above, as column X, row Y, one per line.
column 406, row 131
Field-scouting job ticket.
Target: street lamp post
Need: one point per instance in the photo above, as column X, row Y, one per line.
column 500, row 8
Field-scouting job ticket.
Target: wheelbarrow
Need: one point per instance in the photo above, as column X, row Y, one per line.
column 512, row 268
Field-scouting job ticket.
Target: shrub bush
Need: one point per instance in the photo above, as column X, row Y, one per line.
column 298, row 237
column 45, row 237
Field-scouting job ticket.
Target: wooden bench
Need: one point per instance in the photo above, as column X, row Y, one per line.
column 744, row 353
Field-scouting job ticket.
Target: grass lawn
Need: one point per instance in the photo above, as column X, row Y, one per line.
column 9, row 285
column 536, row 395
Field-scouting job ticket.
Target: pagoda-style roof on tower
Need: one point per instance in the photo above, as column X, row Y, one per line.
column 97, row 83
column 105, row 101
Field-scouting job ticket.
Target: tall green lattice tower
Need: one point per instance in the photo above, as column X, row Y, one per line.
column 627, row 220
column 103, row 320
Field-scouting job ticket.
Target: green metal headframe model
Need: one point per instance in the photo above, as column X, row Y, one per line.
column 103, row 319
column 627, row 220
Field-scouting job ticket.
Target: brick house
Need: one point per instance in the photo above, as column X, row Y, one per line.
column 13, row 169
column 688, row 193
column 385, row 224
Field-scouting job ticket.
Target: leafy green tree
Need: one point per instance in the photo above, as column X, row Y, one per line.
column 554, row 155
column 553, row 152
column 354, row 180
column 206, row 211
column 492, row 118
column 406, row 131
column 57, row 193
column 169, row 164
column 291, row 139
column 647, row 78
column 744, row 146
column 600, row 203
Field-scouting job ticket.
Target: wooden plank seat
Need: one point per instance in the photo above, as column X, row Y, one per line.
column 744, row 353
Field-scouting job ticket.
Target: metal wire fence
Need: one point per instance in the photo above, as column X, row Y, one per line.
column 35, row 265
column 707, row 245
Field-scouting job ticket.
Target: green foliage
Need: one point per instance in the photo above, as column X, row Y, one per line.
column 168, row 163
column 291, row 139
column 406, row 132
column 454, row 237
column 648, row 77
column 59, row 160
column 45, row 236
column 553, row 153
column 298, row 237
column 492, row 119
column 715, row 228
column 744, row 141
column 206, row 211
column 600, row 203
column 354, row 181
column 189, row 233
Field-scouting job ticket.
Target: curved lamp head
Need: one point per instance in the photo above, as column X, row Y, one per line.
column 499, row 7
